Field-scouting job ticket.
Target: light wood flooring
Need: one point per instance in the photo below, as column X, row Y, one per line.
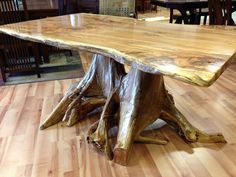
column 63, row 152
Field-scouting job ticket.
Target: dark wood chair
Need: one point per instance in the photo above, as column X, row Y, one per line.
column 220, row 12
column 78, row 6
column 16, row 55
column 88, row 6
column 143, row 5
column 71, row 6
column 194, row 16
column 126, row 8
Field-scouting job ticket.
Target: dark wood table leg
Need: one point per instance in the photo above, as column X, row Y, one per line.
column 61, row 7
column 45, row 53
column 171, row 15
column 193, row 19
column 143, row 5
column 187, row 19
column 183, row 17
column 2, row 73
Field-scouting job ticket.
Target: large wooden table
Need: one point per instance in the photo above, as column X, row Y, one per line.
column 135, row 100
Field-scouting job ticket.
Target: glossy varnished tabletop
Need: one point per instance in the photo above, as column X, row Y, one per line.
column 194, row 54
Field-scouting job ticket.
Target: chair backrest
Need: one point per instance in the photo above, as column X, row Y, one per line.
column 88, row 6
column 78, row 6
column 117, row 7
column 71, row 6
column 11, row 11
column 220, row 12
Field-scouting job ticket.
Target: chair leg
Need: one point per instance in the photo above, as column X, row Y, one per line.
column 205, row 19
column 37, row 58
column 38, row 73
column 70, row 53
column 171, row 15
column 38, row 70
column 197, row 19
column 2, row 76
column 45, row 54
column 2, row 72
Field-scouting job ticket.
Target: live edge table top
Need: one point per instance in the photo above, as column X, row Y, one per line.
column 193, row 54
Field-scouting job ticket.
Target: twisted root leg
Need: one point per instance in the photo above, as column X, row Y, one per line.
column 65, row 106
column 99, row 137
column 81, row 110
column 74, row 94
column 75, row 104
column 124, row 107
column 132, row 101
column 57, row 114
column 175, row 118
column 137, row 111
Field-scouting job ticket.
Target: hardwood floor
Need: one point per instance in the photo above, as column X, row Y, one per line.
column 61, row 151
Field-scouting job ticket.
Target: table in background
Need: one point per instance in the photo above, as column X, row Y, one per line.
column 183, row 6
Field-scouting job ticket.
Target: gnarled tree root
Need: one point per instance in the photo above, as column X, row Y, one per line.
column 131, row 102
column 175, row 118
column 91, row 92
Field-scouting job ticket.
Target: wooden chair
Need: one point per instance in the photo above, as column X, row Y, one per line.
column 71, row 6
column 220, row 12
column 78, row 6
column 194, row 16
column 143, row 5
column 16, row 55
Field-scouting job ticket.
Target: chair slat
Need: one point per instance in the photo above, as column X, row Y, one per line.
column 220, row 12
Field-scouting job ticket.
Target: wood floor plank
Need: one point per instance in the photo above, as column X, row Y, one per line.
column 59, row 151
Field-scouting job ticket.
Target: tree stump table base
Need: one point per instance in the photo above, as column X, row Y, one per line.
column 131, row 101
